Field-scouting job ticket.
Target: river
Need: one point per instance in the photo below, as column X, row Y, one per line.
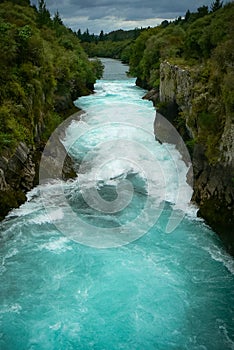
column 115, row 258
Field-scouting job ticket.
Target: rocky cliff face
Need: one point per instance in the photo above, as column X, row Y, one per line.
column 19, row 172
column 176, row 87
column 213, row 179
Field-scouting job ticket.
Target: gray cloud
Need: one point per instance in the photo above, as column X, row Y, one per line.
column 110, row 15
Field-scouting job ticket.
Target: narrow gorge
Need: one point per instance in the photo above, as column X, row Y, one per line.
column 116, row 257
column 116, row 213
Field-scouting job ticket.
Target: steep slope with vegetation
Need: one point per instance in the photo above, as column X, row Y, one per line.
column 43, row 68
column 189, row 64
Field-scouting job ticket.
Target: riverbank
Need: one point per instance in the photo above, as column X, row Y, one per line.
column 213, row 190
column 43, row 70
column 19, row 172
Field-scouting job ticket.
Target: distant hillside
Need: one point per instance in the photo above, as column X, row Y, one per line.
column 116, row 44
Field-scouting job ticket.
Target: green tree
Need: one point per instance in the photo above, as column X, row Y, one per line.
column 101, row 35
column 43, row 16
column 187, row 16
column 216, row 5
column 164, row 23
column 202, row 11
column 38, row 74
column 57, row 19
column 79, row 34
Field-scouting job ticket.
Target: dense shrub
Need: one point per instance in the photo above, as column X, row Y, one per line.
column 39, row 59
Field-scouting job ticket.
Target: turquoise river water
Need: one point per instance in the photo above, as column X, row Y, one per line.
column 116, row 258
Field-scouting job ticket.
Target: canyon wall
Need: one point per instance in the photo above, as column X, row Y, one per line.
column 212, row 154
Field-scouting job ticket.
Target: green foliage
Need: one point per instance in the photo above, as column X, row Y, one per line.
column 98, row 68
column 107, row 48
column 116, row 35
column 151, row 47
column 192, row 39
column 216, row 5
column 57, row 21
column 208, row 122
column 52, row 120
column 203, row 44
column 190, row 145
column 43, row 15
column 138, row 49
column 40, row 60
column 126, row 53
column 12, row 130
column 116, row 44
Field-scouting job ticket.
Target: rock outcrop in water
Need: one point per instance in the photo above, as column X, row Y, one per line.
column 213, row 172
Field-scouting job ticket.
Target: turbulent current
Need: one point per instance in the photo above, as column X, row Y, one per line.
column 115, row 258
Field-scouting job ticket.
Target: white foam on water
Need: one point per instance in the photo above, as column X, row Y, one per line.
column 220, row 255
column 111, row 150
column 191, row 212
column 14, row 308
column 10, row 253
column 59, row 245
column 52, row 217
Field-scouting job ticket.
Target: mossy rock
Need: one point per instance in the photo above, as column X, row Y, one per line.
column 220, row 218
column 10, row 199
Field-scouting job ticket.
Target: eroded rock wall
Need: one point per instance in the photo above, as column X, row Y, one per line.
column 17, row 173
column 213, row 181
column 19, row 170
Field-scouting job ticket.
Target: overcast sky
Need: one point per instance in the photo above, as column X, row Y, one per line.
column 108, row 15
